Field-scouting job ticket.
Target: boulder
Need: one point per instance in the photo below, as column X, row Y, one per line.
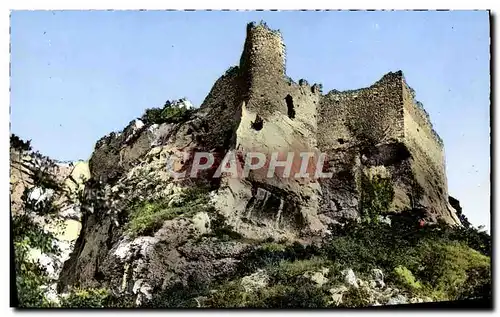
column 397, row 300
column 350, row 278
column 255, row 281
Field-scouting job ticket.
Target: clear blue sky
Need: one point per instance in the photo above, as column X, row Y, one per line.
column 77, row 76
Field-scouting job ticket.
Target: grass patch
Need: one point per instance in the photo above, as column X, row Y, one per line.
column 287, row 270
column 289, row 295
column 87, row 298
column 147, row 217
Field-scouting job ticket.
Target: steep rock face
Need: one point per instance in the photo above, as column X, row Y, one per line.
column 115, row 153
column 375, row 131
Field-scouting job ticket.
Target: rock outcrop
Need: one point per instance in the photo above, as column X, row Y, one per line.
column 374, row 133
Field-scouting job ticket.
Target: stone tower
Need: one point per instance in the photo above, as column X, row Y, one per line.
column 263, row 65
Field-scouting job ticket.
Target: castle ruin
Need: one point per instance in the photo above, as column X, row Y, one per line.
column 381, row 129
column 373, row 133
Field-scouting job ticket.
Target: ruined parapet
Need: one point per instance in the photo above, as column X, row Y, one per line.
column 368, row 115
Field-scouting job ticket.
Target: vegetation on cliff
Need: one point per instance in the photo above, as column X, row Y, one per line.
column 377, row 195
column 171, row 112
column 28, row 233
column 146, row 217
column 436, row 261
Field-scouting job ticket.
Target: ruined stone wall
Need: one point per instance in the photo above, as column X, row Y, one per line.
column 419, row 132
column 257, row 108
column 353, row 125
column 222, row 110
column 372, row 114
column 428, row 158
column 399, row 135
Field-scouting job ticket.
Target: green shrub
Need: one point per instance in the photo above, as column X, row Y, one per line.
column 449, row 266
column 179, row 295
column 365, row 246
column 377, row 194
column 231, row 71
column 438, row 258
column 31, row 277
column 405, row 278
column 289, row 295
column 271, row 258
column 170, row 113
column 421, row 261
column 87, row 298
column 477, row 285
column 273, row 247
column 474, row 238
column 28, row 234
column 19, row 144
column 355, row 297
column 287, row 270
column 229, row 295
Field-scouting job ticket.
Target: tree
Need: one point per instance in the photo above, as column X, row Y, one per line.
column 28, row 231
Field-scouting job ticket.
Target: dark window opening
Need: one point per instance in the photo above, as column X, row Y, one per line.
column 289, row 105
column 258, row 123
column 99, row 276
column 341, row 141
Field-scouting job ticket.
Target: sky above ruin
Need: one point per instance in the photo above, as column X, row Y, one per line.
column 77, row 76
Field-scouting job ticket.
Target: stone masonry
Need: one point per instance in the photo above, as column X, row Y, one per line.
column 379, row 128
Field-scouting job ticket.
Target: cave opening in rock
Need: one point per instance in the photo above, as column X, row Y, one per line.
column 289, row 105
column 258, row 124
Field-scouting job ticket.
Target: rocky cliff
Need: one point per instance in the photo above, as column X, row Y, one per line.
column 145, row 231
column 372, row 134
